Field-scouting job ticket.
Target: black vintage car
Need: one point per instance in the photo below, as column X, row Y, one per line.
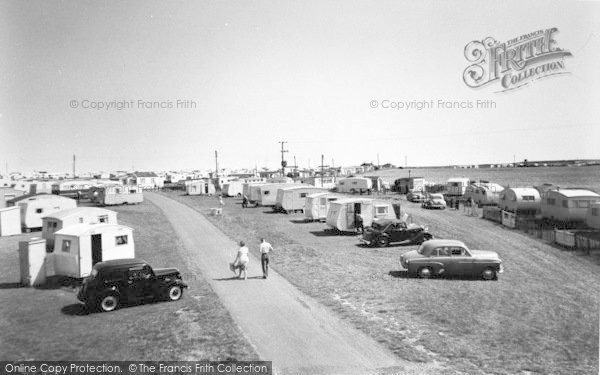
column 385, row 232
column 128, row 280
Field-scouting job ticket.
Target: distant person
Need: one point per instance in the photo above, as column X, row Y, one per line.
column 221, row 203
column 244, row 201
column 265, row 248
column 241, row 261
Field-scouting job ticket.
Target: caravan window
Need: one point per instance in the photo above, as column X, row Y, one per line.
column 551, row 201
column 266, row 192
column 39, row 210
column 583, row 204
column 595, row 211
column 103, row 219
column 382, row 210
column 121, row 240
column 66, row 246
column 528, row 197
column 303, row 195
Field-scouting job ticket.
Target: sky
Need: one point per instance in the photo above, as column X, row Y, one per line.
column 320, row 75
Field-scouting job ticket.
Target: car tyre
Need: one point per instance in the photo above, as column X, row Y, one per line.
column 383, row 241
column 174, row 293
column 109, row 302
column 489, row 274
column 425, row 273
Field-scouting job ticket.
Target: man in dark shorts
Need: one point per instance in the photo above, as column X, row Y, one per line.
column 265, row 249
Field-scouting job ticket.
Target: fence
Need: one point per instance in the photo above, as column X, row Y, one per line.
column 573, row 237
column 493, row 214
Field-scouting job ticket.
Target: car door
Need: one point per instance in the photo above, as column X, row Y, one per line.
column 400, row 232
column 442, row 256
column 461, row 263
column 139, row 282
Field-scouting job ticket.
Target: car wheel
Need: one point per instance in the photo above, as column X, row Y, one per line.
column 174, row 293
column 425, row 273
column 489, row 274
column 383, row 241
column 109, row 302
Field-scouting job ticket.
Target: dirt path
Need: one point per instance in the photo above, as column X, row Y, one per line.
column 285, row 326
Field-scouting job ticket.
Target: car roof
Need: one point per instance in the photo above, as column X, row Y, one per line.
column 119, row 263
column 387, row 221
column 442, row 242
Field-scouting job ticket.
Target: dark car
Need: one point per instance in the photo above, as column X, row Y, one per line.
column 415, row 196
column 385, row 232
column 451, row 257
column 128, row 280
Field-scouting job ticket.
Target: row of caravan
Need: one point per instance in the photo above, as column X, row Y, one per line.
column 34, row 208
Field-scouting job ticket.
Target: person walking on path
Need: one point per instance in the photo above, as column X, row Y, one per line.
column 241, row 261
column 244, row 201
column 265, row 248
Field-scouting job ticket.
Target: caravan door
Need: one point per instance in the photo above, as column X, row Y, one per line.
column 351, row 209
column 96, row 248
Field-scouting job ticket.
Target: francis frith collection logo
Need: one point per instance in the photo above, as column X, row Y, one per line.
column 514, row 63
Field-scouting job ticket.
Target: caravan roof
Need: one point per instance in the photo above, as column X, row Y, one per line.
column 61, row 215
column 572, row 193
column 87, row 228
column 352, row 200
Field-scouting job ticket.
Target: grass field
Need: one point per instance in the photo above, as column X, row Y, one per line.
column 50, row 324
column 541, row 316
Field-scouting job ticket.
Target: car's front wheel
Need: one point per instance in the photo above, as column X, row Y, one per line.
column 174, row 293
column 425, row 273
column 383, row 241
column 109, row 302
column 489, row 274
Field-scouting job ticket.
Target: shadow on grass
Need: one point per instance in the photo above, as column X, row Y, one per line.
column 75, row 309
column 403, row 274
column 330, row 233
column 235, row 278
column 301, row 221
column 14, row 285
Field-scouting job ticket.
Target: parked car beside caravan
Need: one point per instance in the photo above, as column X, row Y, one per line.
column 394, row 231
column 115, row 282
column 445, row 257
column 415, row 196
column 434, row 201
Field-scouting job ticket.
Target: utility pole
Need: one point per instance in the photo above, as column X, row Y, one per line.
column 322, row 168
column 73, row 165
column 216, row 166
column 283, row 162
